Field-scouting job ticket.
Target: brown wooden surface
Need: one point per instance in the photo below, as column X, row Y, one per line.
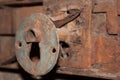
column 7, row 49
column 21, row 13
column 10, row 18
column 6, row 21
column 118, row 4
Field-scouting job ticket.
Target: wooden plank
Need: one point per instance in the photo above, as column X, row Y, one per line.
column 7, row 49
column 21, row 13
column 118, row 6
column 10, row 18
column 6, row 21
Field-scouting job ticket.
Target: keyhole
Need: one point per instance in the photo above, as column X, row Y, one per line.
column 35, row 52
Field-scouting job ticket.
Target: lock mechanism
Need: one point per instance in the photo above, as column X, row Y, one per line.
column 37, row 42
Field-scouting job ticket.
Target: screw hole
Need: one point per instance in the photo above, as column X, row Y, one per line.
column 53, row 50
column 19, row 44
column 95, row 3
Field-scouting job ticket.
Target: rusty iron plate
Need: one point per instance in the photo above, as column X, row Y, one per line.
column 40, row 29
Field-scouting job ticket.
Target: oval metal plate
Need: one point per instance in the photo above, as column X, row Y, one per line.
column 44, row 32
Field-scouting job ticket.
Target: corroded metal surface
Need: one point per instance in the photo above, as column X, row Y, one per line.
column 106, row 51
column 90, row 44
column 37, row 28
column 76, row 33
column 85, row 72
column 73, row 14
column 91, row 41
column 110, row 7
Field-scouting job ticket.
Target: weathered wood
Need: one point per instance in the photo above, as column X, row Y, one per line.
column 6, row 21
column 10, row 18
column 7, row 49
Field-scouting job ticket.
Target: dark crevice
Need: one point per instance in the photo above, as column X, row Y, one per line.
column 32, row 33
column 98, row 12
column 113, row 34
column 64, row 47
column 11, row 35
column 64, row 44
column 25, row 5
column 1, row 8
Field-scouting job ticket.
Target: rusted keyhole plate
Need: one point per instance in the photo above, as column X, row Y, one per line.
column 37, row 28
